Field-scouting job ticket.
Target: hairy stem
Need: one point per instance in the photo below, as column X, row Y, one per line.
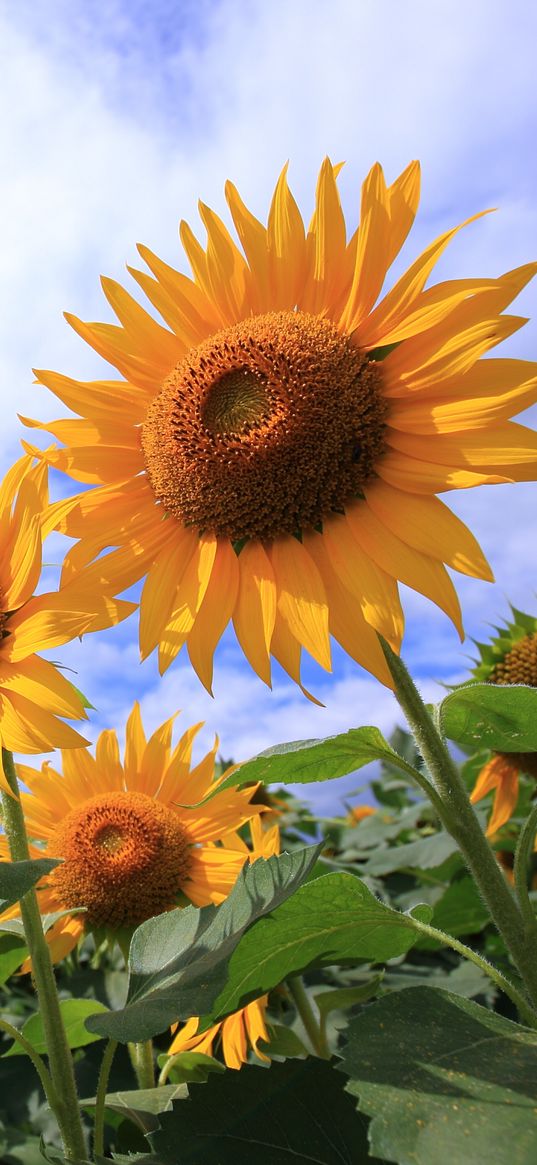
column 141, row 1056
column 100, row 1098
column 63, row 1100
column 305, row 1011
column 458, row 817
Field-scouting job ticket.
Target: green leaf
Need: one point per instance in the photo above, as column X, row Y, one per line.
column 283, row 1042
column 459, row 911
column 191, row 1067
column 424, row 854
column 501, row 717
column 13, row 951
column 16, row 878
column 296, row 1111
column 304, row 761
column 335, row 919
column 178, row 960
column 74, row 1012
column 143, row 1105
column 340, row 998
column 444, row 1080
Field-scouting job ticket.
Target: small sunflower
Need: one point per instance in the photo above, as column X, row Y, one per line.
column 133, row 838
column 509, row 658
column 272, row 454
column 33, row 693
column 245, row 1028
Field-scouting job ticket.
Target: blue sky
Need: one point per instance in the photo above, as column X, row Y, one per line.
column 118, row 116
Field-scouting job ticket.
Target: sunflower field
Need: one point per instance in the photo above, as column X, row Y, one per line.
column 196, row 967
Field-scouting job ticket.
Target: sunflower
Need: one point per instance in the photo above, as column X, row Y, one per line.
column 245, row 1028
column 509, row 658
column 273, row 450
column 33, row 693
column 133, row 838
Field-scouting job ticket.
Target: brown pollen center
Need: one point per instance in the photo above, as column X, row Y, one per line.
column 519, row 665
column 126, row 857
column 265, row 428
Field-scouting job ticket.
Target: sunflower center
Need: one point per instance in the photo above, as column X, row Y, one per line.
column 126, row 857
column 266, row 428
column 519, row 665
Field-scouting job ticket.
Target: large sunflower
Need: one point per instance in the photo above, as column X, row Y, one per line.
column 131, row 845
column 245, row 1028
column 273, row 453
column 33, row 693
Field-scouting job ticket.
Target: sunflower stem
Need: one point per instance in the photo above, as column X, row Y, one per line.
column 63, row 1098
column 100, row 1098
column 315, row 1034
column 520, row 871
column 457, row 815
column 141, row 1056
column 37, row 1060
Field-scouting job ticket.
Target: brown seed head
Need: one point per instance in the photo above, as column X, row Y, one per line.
column 265, row 428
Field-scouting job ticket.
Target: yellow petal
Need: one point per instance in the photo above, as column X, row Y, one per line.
column 134, row 745
column 375, row 590
column 428, row 525
column 372, row 252
column 424, row 574
column 190, row 595
column 347, row 623
column 301, row 597
column 255, row 607
column 423, row 477
column 286, row 246
column 215, row 612
column 160, row 587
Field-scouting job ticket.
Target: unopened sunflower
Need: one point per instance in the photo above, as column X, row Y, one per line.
column 133, row 838
column 272, row 454
column 509, row 658
column 33, row 693
column 245, row 1028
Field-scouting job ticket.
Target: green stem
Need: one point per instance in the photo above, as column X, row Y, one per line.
column 457, row 815
column 141, row 1055
column 37, row 1061
column 500, row 980
column 64, row 1099
column 305, row 1011
column 100, row 1098
column 523, row 854
column 167, row 1067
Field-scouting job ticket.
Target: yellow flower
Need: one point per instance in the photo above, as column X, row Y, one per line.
column 509, row 658
column 359, row 812
column 134, row 840
column 33, row 693
column 245, row 1028
column 272, row 455
column 500, row 773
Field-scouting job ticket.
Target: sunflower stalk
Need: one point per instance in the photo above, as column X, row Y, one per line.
column 458, row 818
column 142, row 1060
column 523, row 854
column 313, row 1029
column 62, row 1097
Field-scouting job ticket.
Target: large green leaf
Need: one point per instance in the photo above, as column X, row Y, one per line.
column 295, row 1112
column 178, row 960
column 141, row 1106
column 460, row 910
column 426, row 853
column 303, row 761
column 334, row 919
column 16, row 878
column 444, row 1080
column 74, row 1012
column 13, row 951
column 501, row 717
